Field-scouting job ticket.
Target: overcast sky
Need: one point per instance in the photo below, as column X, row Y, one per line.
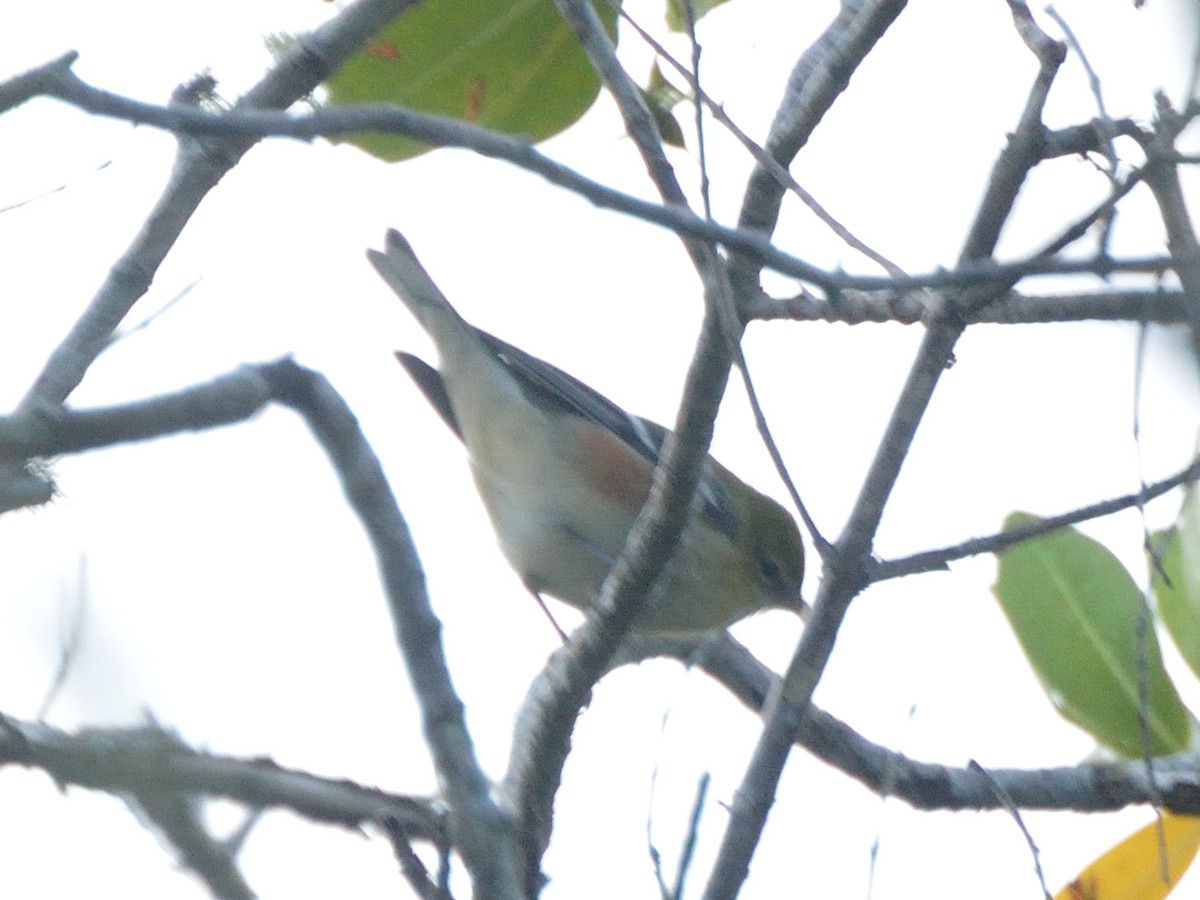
column 229, row 593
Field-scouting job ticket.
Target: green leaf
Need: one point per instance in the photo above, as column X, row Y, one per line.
column 676, row 17
column 511, row 65
column 1179, row 600
column 661, row 98
column 1075, row 610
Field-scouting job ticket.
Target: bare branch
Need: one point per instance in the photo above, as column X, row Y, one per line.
column 846, row 568
column 1007, row 803
column 1086, row 787
column 1161, row 307
column 199, row 166
column 53, row 430
column 1107, row 131
column 178, row 820
column 818, row 79
column 548, row 716
column 480, row 831
column 123, row 760
column 1162, row 176
column 639, row 123
column 979, row 290
column 761, row 156
column 442, row 131
column 411, row 866
column 75, row 618
column 934, row 560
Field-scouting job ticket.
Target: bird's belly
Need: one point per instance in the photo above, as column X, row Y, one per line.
column 568, row 555
column 552, row 557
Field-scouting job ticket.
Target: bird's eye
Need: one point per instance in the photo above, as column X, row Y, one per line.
column 770, row 575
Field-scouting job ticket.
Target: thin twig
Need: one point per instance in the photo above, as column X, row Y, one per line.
column 547, row 718
column 229, row 398
column 154, row 316
column 178, row 820
column 412, row 867
column 124, row 760
column 689, row 16
column 72, row 638
column 764, row 430
column 199, row 167
column 1083, row 787
column 1107, row 129
column 761, row 156
column 936, row 560
column 446, row 132
column 1007, row 803
column 826, row 68
column 483, row 833
column 819, row 77
column 1159, row 306
column 688, row 851
column 51, row 191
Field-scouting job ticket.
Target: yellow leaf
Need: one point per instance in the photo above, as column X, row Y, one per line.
column 1132, row 870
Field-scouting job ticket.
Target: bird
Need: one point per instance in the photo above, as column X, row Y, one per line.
column 563, row 473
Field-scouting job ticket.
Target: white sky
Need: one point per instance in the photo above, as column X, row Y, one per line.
column 230, row 594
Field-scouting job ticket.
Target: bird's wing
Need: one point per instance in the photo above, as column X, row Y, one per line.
column 550, row 387
column 429, row 380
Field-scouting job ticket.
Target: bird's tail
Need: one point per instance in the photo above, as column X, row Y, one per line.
column 400, row 268
column 462, row 353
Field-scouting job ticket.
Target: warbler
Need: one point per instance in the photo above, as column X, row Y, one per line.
column 563, row 472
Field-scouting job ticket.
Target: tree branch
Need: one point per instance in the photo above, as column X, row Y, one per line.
column 480, row 831
column 123, row 760
column 548, row 716
column 53, row 430
column 440, row 131
column 820, row 76
column 761, row 156
column 846, row 568
column 177, row 818
column 1163, row 306
column 935, row 560
column 199, row 166
column 1162, row 176
column 1086, row 787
